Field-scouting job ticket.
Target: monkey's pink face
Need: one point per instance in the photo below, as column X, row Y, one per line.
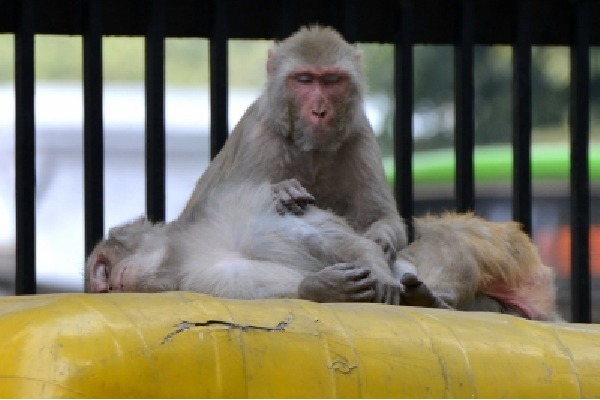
column 115, row 267
column 108, row 275
column 319, row 91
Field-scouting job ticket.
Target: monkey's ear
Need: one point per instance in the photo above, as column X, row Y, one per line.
column 271, row 62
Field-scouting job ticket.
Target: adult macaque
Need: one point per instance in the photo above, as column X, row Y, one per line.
column 241, row 247
column 309, row 124
column 475, row 265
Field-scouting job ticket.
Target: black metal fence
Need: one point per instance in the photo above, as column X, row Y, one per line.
column 404, row 23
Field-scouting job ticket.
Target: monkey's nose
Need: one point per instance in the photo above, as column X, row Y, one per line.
column 319, row 114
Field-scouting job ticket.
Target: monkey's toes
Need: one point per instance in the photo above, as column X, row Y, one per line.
column 410, row 280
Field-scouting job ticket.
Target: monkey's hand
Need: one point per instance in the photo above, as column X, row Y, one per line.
column 391, row 294
column 338, row 283
column 290, row 196
column 416, row 293
column 386, row 236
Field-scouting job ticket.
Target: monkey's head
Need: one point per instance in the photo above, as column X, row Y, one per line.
column 314, row 88
column 131, row 259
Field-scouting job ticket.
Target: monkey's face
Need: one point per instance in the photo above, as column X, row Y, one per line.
column 131, row 260
column 115, row 269
column 104, row 264
column 320, row 101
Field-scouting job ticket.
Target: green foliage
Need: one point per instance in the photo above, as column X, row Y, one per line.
column 378, row 66
column 493, row 164
column 7, row 72
column 247, row 62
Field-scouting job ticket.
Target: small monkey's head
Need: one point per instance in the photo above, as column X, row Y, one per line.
column 314, row 88
column 131, row 259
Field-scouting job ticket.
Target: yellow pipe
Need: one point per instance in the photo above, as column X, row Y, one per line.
column 138, row 345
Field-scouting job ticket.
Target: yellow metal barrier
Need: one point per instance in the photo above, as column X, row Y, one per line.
column 182, row 344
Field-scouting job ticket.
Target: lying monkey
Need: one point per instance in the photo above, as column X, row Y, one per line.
column 242, row 247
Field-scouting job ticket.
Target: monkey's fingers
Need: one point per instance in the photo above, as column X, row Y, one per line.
column 285, row 202
column 297, row 191
column 300, row 195
column 364, row 296
column 388, row 294
column 297, row 203
column 293, row 207
column 346, row 267
column 280, row 208
column 358, row 273
column 359, row 286
column 291, row 191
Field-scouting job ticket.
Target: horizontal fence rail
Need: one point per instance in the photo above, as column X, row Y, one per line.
column 462, row 24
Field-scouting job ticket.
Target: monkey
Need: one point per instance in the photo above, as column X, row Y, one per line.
column 244, row 248
column 471, row 264
column 309, row 129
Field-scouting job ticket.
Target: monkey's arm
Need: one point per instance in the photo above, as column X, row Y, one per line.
column 248, row 155
column 374, row 207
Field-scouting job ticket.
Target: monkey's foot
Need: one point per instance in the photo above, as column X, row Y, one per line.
column 290, row 196
column 416, row 293
column 412, row 292
column 339, row 283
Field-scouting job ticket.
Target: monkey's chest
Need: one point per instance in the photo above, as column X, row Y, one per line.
column 320, row 176
column 328, row 194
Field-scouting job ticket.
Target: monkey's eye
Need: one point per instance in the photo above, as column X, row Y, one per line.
column 331, row 79
column 304, row 78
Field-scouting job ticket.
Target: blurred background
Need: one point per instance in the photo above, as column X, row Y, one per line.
column 59, row 126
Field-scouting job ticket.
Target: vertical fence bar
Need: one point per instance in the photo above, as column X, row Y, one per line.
column 522, row 116
column 155, row 112
column 403, row 135
column 349, row 22
column 464, row 94
column 93, row 131
column 218, row 78
column 579, row 179
column 25, row 150
column 288, row 10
